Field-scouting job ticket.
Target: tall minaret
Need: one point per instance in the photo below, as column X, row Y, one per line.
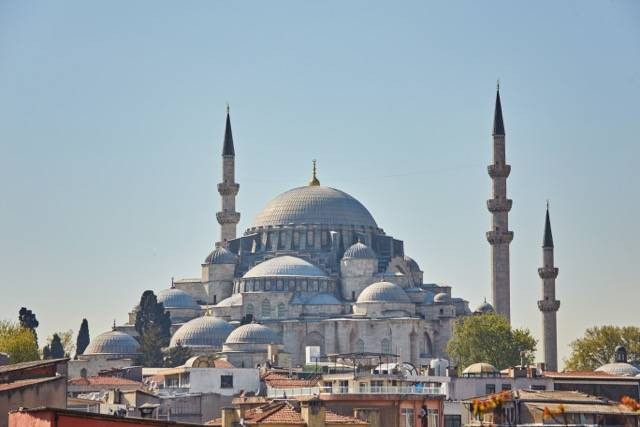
column 549, row 305
column 228, row 218
column 499, row 237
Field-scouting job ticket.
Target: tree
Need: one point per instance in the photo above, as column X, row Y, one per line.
column 152, row 313
column 46, row 353
column 66, row 340
column 83, row 337
column 177, row 356
column 28, row 320
column 150, row 348
column 489, row 338
column 57, row 351
column 598, row 344
column 18, row 342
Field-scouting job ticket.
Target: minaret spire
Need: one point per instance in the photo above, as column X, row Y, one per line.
column 314, row 179
column 549, row 305
column 499, row 237
column 228, row 218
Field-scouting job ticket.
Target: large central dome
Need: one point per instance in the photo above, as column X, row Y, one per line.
column 314, row 205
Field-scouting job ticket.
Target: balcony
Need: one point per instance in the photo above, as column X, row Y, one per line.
column 499, row 205
column 499, row 171
column 499, row 237
column 377, row 390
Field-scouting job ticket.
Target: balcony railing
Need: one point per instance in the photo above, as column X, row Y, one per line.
column 310, row 391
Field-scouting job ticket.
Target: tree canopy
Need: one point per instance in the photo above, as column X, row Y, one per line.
column 82, row 341
column 489, row 338
column 154, row 329
column 598, row 344
column 18, row 342
column 57, row 351
column 28, row 320
column 150, row 348
column 177, row 356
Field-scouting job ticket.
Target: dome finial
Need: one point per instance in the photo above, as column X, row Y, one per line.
column 113, row 328
column 314, row 180
column 173, row 285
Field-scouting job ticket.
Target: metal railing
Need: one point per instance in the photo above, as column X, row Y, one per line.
column 310, row 391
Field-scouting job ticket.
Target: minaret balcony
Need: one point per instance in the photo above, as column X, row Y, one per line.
column 499, row 171
column 228, row 189
column 499, row 237
column 548, row 272
column 548, row 305
column 228, row 217
column 499, row 205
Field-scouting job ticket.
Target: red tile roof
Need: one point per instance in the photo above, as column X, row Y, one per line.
column 104, row 381
column 287, row 414
column 222, row 364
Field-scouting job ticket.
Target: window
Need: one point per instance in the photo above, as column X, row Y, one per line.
column 432, row 418
column 362, row 387
column 358, row 347
column 266, row 309
column 385, row 346
column 452, row 421
column 250, row 309
column 538, row 387
column 267, row 285
column 490, row 388
column 376, row 386
column 506, row 387
column 226, row 381
column 344, row 386
column 83, row 373
column 406, row 417
column 282, row 311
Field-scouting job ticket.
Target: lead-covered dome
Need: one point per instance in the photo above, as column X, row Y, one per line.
column 383, row 292
column 206, row 331
column 173, row 298
column 314, row 205
column 620, row 369
column 359, row 251
column 253, row 333
column 221, row 255
column 283, row 266
column 113, row 343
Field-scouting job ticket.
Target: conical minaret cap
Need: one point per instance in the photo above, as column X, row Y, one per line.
column 227, row 149
column 548, row 237
column 498, row 124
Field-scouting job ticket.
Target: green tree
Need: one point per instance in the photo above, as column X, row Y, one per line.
column 83, row 337
column 46, row 353
column 66, row 340
column 177, row 356
column 489, row 338
column 150, row 348
column 18, row 342
column 28, row 320
column 152, row 313
column 57, row 351
column 598, row 344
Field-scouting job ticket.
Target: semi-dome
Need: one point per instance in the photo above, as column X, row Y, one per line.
column 359, row 251
column 221, row 255
column 314, row 205
column 176, row 298
column 253, row 333
column 619, row 369
column 442, row 297
column 412, row 264
column 481, row 370
column 383, row 292
column 205, row 331
column 114, row 343
column 285, row 266
column 235, row 299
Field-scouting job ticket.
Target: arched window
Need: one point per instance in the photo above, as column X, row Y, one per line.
column 282, row 311
column 385, row 346
column 266, row 309
column 250, row 309
column 358, row 347
column 83, row 373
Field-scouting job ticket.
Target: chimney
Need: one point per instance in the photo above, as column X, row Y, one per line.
column 313, row 412
column 230, row 417
column 272, row 354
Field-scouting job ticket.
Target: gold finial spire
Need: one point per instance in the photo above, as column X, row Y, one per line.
column 314, row 180
column 227, row 108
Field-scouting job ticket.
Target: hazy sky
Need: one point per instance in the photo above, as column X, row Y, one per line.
column 112, row 117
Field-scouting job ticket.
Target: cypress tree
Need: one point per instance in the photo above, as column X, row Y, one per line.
column 83, row 337
column 57, row 351
column 151, row 312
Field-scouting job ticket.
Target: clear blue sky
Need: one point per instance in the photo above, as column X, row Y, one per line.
column 112, row 115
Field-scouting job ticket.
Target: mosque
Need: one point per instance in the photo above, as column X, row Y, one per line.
column 315, row 269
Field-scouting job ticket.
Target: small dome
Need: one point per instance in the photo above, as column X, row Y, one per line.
column 253, row 333
column 176, row 298
column 205, row 331
column 235, row 299
column 442, row 297
column 485, row 307
column 383, row 292
column 285, row 266
column 221, row 255
column 481, row 369
column 619, row 369
column 359, row 251
column 113, row 342
column 413, row 266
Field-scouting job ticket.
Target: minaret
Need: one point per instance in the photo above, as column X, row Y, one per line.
column 228, row 218
column 499, row 237
column 549, row 305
